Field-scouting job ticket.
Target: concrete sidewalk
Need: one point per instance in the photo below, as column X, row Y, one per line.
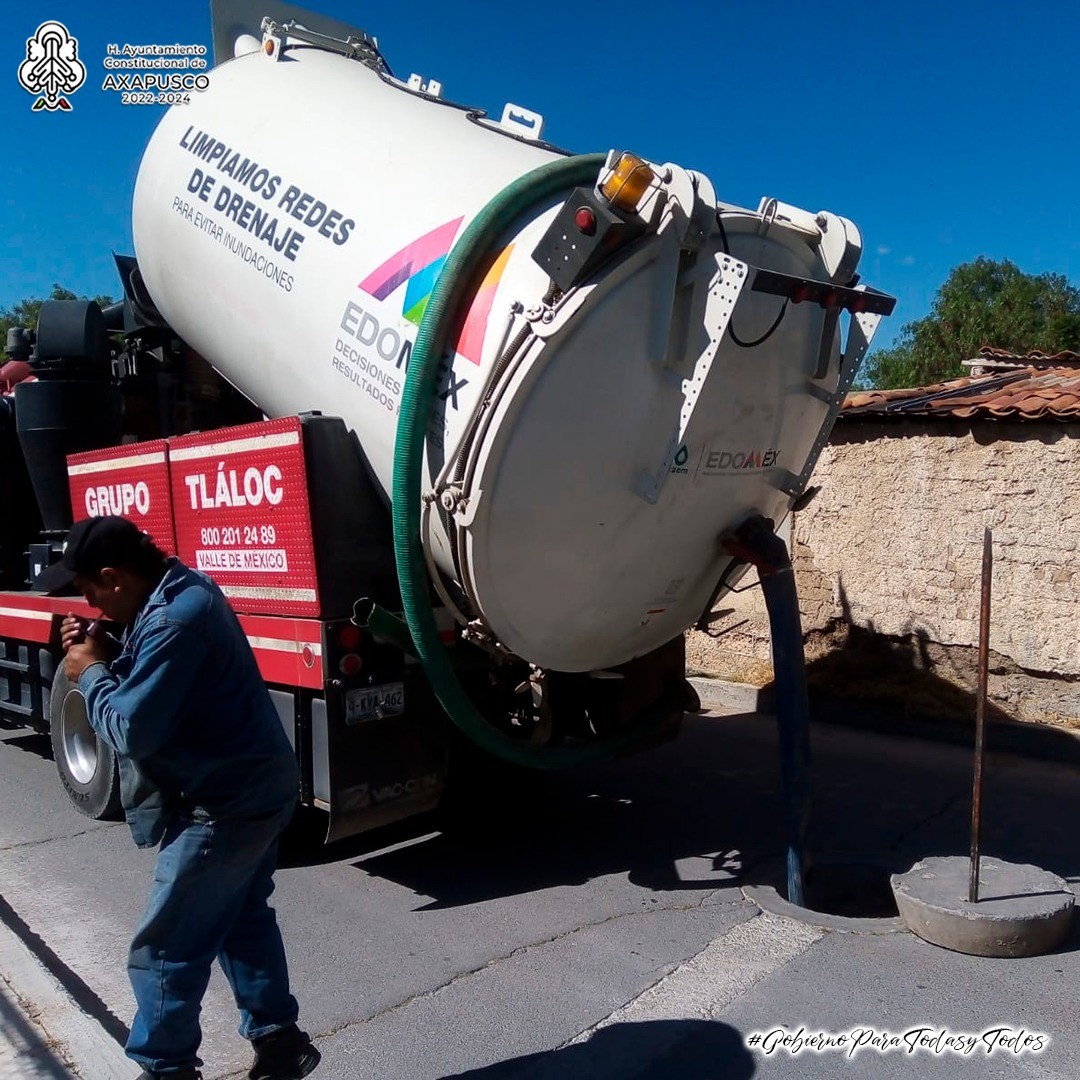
column 44, row 1033
column 26, row 1050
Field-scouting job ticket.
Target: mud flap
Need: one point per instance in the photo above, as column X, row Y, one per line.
column 377, row 770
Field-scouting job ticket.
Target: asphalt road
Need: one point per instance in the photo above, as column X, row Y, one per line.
column 593, row 924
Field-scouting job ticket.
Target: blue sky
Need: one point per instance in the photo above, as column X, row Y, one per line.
column 945, row 131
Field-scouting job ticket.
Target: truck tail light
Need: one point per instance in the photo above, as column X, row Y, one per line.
column 823, row 293
column 350, row 664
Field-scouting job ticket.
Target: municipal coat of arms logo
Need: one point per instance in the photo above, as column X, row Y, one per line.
column 52, row 67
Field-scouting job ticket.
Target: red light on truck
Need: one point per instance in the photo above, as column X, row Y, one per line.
column 350, row 664
column 348, row 637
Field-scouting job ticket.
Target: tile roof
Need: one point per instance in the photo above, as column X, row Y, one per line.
column 1032, row 357
column 1033, row 386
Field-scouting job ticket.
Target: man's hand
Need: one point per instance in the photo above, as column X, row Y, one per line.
column 84, row 644
column 73, row 630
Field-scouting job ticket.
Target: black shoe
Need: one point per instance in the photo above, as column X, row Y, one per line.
column 190, row 1073
column 286, row 1054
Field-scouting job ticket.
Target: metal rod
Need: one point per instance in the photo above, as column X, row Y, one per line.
column 980, row 714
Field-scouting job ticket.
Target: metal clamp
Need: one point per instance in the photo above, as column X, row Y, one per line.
column 861, row 332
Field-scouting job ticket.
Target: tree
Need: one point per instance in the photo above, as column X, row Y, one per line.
column 25, row 312
column 981, row 303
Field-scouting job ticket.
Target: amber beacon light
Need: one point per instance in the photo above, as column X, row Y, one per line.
column 629, row 180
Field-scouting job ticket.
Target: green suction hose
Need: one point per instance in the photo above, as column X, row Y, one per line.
column 452, row 289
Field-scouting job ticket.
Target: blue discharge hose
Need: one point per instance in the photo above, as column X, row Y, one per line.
column 756, row 543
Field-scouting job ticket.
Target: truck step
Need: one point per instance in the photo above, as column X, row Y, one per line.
column 16, row 666
column 12, row 710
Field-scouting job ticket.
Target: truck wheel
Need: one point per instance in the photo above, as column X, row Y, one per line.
column 87, row 765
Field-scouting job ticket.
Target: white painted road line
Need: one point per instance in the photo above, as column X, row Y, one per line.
column 702, row 987
column 73, row 1037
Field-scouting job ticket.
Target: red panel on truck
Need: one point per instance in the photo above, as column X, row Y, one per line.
column 287, row 650
column 132, row 481
column 240, row 504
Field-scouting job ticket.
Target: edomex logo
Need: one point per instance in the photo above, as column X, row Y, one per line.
column 52, row 67
column 417, row 267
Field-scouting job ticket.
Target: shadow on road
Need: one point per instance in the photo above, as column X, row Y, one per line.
column 705, row 812
column 670, row 818
column 512, row 831
column 571, row 832
column 34, row 742
column 649, row 1050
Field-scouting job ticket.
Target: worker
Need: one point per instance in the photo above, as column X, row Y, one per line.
column 207, row 774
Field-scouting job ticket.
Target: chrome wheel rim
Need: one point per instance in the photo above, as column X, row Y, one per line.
column 79, row 740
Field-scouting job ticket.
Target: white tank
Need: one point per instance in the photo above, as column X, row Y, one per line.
column 290, row 223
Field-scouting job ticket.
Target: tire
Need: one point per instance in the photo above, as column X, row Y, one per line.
column 86, row 764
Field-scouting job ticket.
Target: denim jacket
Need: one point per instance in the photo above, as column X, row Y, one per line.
column 187, row 712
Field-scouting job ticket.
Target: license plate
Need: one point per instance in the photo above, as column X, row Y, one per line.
column 374, row 702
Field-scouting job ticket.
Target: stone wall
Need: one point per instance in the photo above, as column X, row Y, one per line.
column 890, row 551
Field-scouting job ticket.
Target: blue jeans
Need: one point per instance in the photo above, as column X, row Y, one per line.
column 211, row 885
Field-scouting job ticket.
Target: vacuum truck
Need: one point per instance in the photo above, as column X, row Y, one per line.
column 460, row 422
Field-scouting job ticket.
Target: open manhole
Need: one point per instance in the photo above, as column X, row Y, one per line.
column 838, row 894
column 853, row 890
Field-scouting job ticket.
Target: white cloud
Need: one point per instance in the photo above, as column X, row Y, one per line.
column 883, row 250
column 908, row 260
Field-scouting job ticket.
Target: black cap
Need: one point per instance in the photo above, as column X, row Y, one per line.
column 92, row 544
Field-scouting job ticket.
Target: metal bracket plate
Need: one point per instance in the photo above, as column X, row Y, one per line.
column 860, row 333
column 724, row 293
